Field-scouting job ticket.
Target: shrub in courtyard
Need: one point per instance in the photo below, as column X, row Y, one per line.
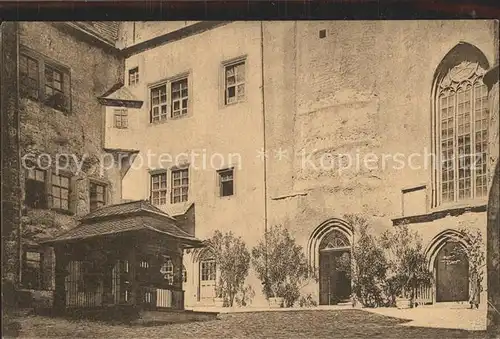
column 407, row 269
column 245, row 296
column 232, row 260
column 474, row 252
column 368, row 265
column 280, row 265
column 307, row 301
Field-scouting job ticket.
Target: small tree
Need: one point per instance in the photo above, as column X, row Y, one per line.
column 281, row 265
column 474, row 251
column 232, row 259
column 368, row 266
column 407, row 267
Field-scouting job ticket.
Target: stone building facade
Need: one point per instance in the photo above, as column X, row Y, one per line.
column 239, row 126
column 58, row 71
column 311, row 95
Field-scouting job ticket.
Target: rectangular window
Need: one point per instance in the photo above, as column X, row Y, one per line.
column 36, row 195
column 226, row 182
column 208, row 270
column 28, row 76
column 60, row 192
column 54, row 96
column 43, row 80
column 159, row 103
column 167, row 270
column 133, row 76
column 32, row 270
column 179, row 97
column 234, row 75
column 180, row 185
column 170, row 100
column 97, row 196
column 159, row 189
column 121, row 118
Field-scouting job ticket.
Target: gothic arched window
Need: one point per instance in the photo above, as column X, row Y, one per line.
column 462, row 119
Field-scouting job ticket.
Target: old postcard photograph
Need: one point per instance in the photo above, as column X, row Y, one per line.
column 250, row 179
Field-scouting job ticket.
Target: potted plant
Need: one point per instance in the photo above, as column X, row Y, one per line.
column 474, row 252
column 232, row 260
column 219, row 294
column 281, row 266
column 407, row 265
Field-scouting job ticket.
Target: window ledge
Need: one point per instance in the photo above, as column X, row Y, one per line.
column 441, row 212
column 166, row 121
column 226, row 197
column 232, row 104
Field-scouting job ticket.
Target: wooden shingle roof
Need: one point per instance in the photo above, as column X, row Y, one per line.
column 126, row 217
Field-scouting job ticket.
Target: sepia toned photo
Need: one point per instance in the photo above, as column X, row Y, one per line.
column 250, row 179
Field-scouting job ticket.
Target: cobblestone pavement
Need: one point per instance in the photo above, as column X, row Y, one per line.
column 299, row 324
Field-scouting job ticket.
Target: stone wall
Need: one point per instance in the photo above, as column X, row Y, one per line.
column 493, row 243
column 10, row 150
column 45, row 130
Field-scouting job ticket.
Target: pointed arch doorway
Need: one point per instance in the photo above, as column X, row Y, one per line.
column 334, row 268
column 452, row 274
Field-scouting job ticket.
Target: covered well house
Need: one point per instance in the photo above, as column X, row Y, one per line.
column 128, row 254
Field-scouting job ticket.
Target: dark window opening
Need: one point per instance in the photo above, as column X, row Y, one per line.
column 36, row 195
column 97, row 196
column 28, row 76
column 32, row 277
column 226, row 182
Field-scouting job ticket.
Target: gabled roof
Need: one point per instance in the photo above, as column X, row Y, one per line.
column 120, row 96
column 127, row 217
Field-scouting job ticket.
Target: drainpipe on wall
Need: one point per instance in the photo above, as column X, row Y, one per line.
column 18, row 116
column 264, row 136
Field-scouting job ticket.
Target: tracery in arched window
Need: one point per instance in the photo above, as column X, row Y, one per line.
column 334, row 239
column 462, row 103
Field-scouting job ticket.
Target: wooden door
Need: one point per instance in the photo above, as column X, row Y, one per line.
column 334, row 284
column 452, row 275
column 207, row 281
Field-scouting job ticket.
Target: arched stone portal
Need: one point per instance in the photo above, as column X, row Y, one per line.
column 329, row 253
column 449, row 266
column 452, row 275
